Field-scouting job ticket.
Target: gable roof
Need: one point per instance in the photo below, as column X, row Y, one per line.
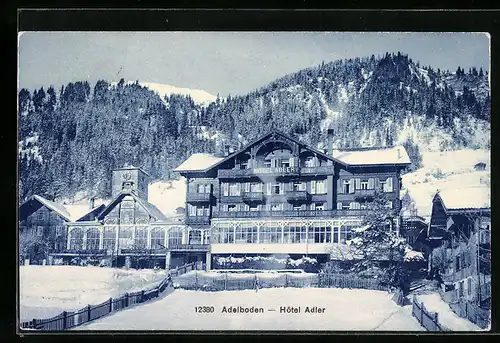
column 374, row 156
column 57, row 208
column 207, row 161
column 198, row 162
column 151, row 209
column 463, row 199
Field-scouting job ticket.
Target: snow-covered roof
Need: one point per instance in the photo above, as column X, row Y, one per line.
column 58, row 208
column 371, row 156
column 199, row 162
column 466, row 198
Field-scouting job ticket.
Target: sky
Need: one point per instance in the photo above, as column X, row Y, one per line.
column 224, row 62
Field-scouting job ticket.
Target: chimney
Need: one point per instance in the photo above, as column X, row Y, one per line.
column 226, row 149
column 330, row 141
column 91, row 202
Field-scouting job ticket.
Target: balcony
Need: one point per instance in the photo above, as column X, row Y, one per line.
column 189, row 247
column 291, row 213
column 294, row 196
column 253, row 197
column 319, row 170
column 198, row 197
column 231, row 199
column 142, row 251
column 199, row 220
column 364, row 193
column 234, row 173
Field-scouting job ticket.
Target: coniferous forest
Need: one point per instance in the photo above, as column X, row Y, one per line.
column 71, row 138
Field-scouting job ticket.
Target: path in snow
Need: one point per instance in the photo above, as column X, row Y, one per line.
column 345, row 310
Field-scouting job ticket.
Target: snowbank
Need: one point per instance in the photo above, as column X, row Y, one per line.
column 46, row 291
column 345, row 310
column 446, row 316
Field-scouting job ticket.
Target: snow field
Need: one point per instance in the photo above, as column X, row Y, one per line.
column 345, row 310
column 46, row 291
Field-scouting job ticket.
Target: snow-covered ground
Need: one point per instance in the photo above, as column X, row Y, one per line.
column 46, row 291
column 445, row 170
column 446, row 316
column 345, row 310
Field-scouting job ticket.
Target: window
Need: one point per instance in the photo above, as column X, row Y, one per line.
column 244, row 165
column 39, row 231
column 256, row 187
column 76, row 239
column 299, row 186
column 267, row 164
column 313, row 187
column 285, row 163
column 320, row 187
column 141, row 238
column 345, row 233
column 191, row 210
column 254, row 207
column 39, row 215
column 461, row 289
column 276, row 207
column 386, row 185
column 310, row 162
column 354, row 206
column 297, row 207
column 265, row 235
column 231, row 208
column 194, row 237
column 339, row 205
column 469, row 286
column 276, row 189
column 93, row 239
column 109, row 238
column 320, row 234
column 234, row 189
column 347, row 186
column 335, row 235
column 319, row 206
column 364, row 184
column 225, row 189
column 457, row 263
column 174, row 236
column 59, row 231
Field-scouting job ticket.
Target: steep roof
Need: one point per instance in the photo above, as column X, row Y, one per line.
column 198, row 162
column 204, row 162
column 374, row 156
column 467, row 198
column 151, row 209
column 58, row 208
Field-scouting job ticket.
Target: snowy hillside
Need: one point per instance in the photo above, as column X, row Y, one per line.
column 445, row 170
column 168, row 195
column 199, row 96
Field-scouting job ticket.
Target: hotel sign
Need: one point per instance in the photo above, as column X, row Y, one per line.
column 276, row 170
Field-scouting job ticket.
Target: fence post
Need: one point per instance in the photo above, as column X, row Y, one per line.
column 422, row 309
column 255, row 282
column 34, row 323
column 142, row 296
column 225, row 282
column 196, row 280
column 436, row 321
column 110, row 305
column 126, row 300
column 286, row 280
column 88, row 313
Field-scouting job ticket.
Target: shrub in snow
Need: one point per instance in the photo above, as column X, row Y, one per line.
column 263, row 262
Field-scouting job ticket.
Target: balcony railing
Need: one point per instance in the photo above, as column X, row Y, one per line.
column 458, row 275
column 189, row 247
column 231, row 199
column 222, row 173
column 253, row 196
column 364, row 192
column 320, row 170
column 291, row 213
column 198, row 220
column 297, row 195
column 198, row 197
column 82, row 251
column 143, row 251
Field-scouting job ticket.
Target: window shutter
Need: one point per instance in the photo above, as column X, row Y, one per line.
column 313, row 206
column 282, row 188
column 389, row 184
column 225, row 188
column 292, row 161
column 247, row 187
column 313, row 187
column 358, row 183
column 269, row 188
column 351, row 186
column 339, row 187
column 371, row 183
column 339, row 205
column 377, row 183
column 273, row 163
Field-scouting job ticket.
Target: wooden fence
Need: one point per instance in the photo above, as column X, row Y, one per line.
column 67, row 319
column 429, row 320
column 226, row 281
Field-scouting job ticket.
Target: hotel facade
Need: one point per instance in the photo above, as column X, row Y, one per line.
column 278, row 196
